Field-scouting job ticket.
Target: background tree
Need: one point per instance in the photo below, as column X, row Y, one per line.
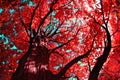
column 54, row 39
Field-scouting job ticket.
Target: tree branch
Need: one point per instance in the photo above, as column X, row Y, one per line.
column 102, row 59
column 51, row 51
column 99, row 23
column 32, row 18
column 89, row 66
column 75, row 60
column 103, row 16
column 43, row 19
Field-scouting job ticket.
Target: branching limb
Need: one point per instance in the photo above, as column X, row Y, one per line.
column 28, row 28
column 75, row 60
column 32, row 18
column 56, row 30
column 43, row 19
column 89, row 66
column 103, row 15
column 98, row 23
column 51, row 51
column 23, row 23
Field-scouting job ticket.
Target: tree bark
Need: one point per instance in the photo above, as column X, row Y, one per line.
column 102, row 59
column 17, row 75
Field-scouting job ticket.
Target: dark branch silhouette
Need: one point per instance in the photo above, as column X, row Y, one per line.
column 75, row 60
column 102, row 59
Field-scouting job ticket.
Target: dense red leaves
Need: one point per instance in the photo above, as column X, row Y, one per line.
column 82, row 32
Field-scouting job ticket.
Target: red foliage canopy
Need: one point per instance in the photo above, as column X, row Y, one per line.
column 74, row 38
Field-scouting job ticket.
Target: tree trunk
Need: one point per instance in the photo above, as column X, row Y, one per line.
column 34, row 65
column 18, row 74
column 102, row 59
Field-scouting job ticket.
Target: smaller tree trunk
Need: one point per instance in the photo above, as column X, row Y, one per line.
column 101, row 60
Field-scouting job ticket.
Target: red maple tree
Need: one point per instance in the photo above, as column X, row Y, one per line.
column 59, row 40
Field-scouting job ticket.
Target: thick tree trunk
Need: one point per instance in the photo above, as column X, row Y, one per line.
column 40, row 57
column 17, row 75
column 102, row 59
